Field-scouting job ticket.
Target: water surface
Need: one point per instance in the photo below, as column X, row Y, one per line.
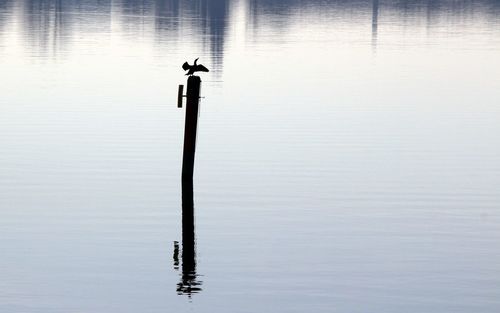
column 348, row 156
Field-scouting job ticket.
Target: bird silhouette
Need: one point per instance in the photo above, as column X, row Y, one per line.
column 194, row 68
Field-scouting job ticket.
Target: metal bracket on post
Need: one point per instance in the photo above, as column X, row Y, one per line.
column 180, row 95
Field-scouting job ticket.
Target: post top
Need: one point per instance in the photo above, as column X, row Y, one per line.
column 194, row 78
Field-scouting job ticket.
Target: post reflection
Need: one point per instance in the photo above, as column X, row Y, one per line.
column 189, row 283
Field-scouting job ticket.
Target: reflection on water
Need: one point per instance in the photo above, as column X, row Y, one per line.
column 50, row 26
column 374, row 24
column 5, row 7
column 346, row 150
column 189, row 283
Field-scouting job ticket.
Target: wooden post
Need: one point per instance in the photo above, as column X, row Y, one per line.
column 189, row 283
column 193, row 99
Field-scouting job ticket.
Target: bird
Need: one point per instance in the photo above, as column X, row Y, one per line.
column 194, row 68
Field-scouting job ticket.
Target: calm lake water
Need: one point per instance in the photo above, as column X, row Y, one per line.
column 348, row 156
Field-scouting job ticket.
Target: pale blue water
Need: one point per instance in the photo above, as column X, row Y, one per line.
column 348, row 155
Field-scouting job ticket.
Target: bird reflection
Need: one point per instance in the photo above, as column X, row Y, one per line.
column 189, row 283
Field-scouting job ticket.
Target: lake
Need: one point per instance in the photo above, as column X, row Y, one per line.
column 348, row 156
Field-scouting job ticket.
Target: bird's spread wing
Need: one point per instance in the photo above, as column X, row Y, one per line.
column 202, row 68
column 186, row 66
